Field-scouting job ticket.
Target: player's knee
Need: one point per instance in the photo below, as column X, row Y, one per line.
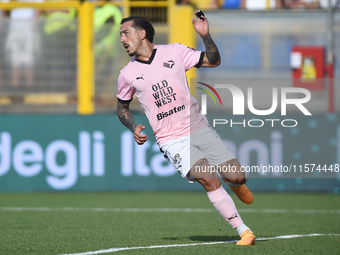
column 242, row 181
column 238, row 181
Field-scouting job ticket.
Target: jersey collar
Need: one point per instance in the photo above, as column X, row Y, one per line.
column 148, row 62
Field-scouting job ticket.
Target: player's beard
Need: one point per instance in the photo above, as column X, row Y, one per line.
column 131, row 54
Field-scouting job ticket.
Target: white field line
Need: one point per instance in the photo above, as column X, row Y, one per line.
column 165, row 210
column 190, row 244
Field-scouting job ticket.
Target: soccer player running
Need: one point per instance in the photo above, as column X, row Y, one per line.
column 156, row 75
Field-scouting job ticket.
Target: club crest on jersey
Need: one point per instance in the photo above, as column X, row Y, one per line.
column 169, row 64
column 177, row 159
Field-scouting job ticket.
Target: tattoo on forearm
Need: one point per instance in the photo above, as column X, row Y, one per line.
column 125, row 116
column 211, row 50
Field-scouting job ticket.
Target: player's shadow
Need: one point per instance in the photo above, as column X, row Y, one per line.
column 220, row 238
column 206, row 238
column 214, row 238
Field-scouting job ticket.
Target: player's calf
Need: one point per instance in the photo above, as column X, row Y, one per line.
column 206, row 175
column 236, row 181
column 232, row 172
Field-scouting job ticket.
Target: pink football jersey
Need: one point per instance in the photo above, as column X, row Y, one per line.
column 161, row 87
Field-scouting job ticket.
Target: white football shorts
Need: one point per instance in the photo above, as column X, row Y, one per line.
column 184, row 152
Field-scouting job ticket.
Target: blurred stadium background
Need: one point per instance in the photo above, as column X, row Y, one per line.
column 61, row 141
column 58, row 82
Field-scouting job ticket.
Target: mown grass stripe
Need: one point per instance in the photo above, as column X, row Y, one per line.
column 192, row 244
column 164, row 210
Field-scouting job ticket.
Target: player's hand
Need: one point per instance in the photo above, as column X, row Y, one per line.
column 201, row 26
column 139, row 138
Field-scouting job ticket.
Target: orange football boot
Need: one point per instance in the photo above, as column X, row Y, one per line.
column 242, row 192
column 247, row 238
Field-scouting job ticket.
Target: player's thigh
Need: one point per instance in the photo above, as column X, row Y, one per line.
column 182, row 155
column 219, row 155
column 212, row 146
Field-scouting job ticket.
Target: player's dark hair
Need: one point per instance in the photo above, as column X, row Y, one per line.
column 141, row 23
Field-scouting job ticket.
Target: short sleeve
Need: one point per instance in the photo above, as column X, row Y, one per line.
column 125, row 91
column 189, row 57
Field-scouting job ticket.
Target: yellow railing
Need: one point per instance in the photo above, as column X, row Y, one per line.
column 180, row 31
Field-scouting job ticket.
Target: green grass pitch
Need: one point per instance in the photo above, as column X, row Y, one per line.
column 66, row 223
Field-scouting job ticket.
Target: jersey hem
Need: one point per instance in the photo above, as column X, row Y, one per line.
column 201, row 60
column 124, row 101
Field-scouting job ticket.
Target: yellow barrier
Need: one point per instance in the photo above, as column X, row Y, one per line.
column 182, row 31
column 85, row 60
column 41, row 6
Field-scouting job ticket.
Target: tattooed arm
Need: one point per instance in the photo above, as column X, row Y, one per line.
column 212, row 56
column 125, row 116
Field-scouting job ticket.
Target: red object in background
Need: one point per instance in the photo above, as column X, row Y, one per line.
column 307, row 75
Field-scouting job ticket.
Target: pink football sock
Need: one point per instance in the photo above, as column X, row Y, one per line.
column 224, row 204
